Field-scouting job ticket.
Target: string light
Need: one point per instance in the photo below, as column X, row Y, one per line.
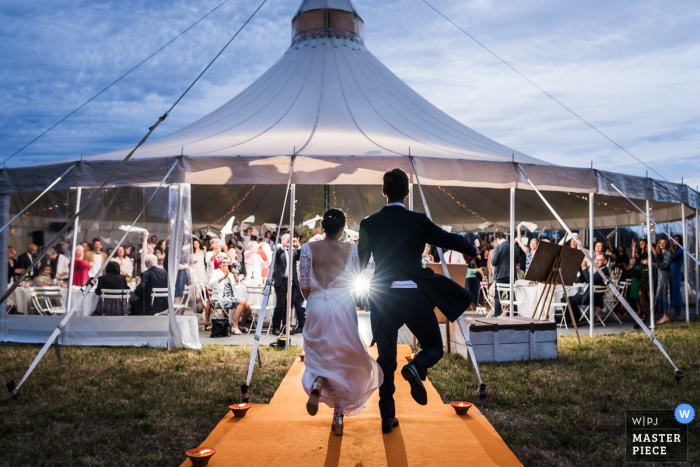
column 465, row 207
column 232, row 208
column 335, row 204
column 601, row 203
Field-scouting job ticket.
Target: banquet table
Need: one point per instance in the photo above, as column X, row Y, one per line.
column 527, row 293
column 21, row 298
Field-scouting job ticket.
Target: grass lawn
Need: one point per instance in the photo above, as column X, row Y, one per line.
column 571, row 411
column 108, row 406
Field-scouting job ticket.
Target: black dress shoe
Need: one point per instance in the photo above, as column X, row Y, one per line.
column 296, row 330
column 276, row 332
column 418, row 391
column 388, row 424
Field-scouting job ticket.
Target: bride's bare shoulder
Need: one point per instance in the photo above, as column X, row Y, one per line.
column 322, row 247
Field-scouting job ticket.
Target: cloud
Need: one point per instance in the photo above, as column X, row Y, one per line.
column 631, row 69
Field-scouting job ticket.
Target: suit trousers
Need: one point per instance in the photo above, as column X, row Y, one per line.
column 576, row 301
column 279, row 317
column 390, row 311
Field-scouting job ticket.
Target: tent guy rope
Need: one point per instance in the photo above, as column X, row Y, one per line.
column 608, row 282
column 460, row 320
column 85, row 290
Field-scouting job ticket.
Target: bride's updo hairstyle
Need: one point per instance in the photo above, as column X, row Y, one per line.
column 333, row 221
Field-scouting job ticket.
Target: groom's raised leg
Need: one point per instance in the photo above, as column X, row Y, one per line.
column 423, row 323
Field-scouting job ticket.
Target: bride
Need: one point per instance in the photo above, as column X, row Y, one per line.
column 338, row 369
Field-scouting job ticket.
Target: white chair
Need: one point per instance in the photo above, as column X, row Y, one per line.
column 159, row 293
column 505, row 289
column 42, row 298
column 597, row 290
column 217, row 311
column 484, row 292
column 186, row 297
column 116, row 294
column 255, row 297
column 610, row 302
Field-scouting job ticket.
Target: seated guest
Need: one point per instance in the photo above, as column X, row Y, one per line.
column 152, row 278
column 623, row 260
column 25, row 260
column 11, row 262
column 217, row 284
column 43, row 279
column 230, row 302
column 60, row 266
column 427, row 257
column 126, row 266
column 82, row 267
column 112, row 279
column 585, row 298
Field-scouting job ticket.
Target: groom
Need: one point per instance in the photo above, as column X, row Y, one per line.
column 403, row 292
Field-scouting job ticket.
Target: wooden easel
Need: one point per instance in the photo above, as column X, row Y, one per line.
column 554, row 278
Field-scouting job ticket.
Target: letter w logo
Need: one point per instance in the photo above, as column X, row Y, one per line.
column 684, row 413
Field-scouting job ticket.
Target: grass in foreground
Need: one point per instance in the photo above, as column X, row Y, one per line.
column 571, row 411
column 108, row 406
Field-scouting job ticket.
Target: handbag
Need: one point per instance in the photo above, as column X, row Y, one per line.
column 220, row 328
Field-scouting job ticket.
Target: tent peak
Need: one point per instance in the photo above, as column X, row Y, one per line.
column 327, row 18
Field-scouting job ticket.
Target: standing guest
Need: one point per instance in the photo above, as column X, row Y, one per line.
column 500, row 261
column 125, row 265
column 268, row 238
column 472, row 282
column 85, row 245
column 152, row 278
column 253, row 262
column 113, row 279
column 677, row 277
column 280, row 276
column 198, row 262
column 601, row 250
column 81, row 268
column 454, row 257
column 265, row 253
column 146, row 249
column 214, row 256
column 529, row 250
column 154, row 241
column 159, row 251
column 11, row 263
column 623, row 260
column 426, row 257
column 97, row 257
column 642, row 255
column 637, row 277
column 247, row 234
column 483, row 262
column 25, row 260
column 60, row 266
column 663, row 294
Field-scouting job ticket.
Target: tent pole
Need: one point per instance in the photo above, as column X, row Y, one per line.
column 290, row 266
column 617, row 240
column 697, row 269
column 69, row 294
column 512, row 250
column 410, row 208
column 4, row 263
column 591, row 249
column 685, row 265
column 650, row 262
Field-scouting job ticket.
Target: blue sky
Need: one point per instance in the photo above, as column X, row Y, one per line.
column 630, row 68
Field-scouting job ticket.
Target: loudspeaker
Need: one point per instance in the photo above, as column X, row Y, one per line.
column 38, row 238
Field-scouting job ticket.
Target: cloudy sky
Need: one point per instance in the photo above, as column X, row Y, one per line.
column 630, row 68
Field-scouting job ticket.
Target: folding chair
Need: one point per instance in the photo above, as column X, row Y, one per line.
column 505, row 289
column 255, row 297
column 186, row 297
column 560, row 305
column 217, row 311
column 484, row 291
column 42, row 300
column 597, row 291
column 610, row 302
column 116, row 294
column 159, row 293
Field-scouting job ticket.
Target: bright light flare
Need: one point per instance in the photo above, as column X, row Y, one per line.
column 361, row 285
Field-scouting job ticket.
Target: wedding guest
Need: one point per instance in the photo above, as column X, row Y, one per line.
column 241, row 308
column 280, row 276
column 11, row 263
column 578, row 300
column 427, row 257
column 472, row 282
column 454, row 257
column 246, row 236
column 113, row 279
column 152, row 278
column 677, row 277
column 500, row 261
column 637, row 277
column 601, row 250
column 663, row 294
column 154, row 240
column 198, row 262
column 97, row 257
column 85, row 245
column 268, row 238
column 60, row 266
column 529, row 250
column 25, row 260
column 265, row 253
column 43, row 278
column 217, row 283
column 623, row 260
column 159, row 251
column 81, row 268
column 125, row 265
column 253, row 262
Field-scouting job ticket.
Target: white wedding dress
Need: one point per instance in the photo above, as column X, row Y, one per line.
column 332, row 342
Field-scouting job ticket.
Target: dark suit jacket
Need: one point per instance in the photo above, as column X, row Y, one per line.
column 281, row 268
column 111, row 281
column 396, row 237
column 597, row 280
column 500, row 261
column 24, row 261
column 151, row 278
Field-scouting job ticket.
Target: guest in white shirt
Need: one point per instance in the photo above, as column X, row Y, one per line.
column 60, row 266
column 126, row 266
column 454, row 257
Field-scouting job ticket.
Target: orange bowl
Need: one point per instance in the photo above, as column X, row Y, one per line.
column 239, row 411
column 461, row 410
column 203, row 459
column 409, row 359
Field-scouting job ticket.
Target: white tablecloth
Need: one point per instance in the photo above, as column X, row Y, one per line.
column 20, row 298
column 527, row 294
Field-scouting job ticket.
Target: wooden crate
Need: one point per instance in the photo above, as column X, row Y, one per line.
column 506, row 339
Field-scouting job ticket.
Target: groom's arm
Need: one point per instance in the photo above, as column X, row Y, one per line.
column 363, row 249
column 438, row 237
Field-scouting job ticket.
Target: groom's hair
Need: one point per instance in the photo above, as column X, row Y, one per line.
column 395, row 185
